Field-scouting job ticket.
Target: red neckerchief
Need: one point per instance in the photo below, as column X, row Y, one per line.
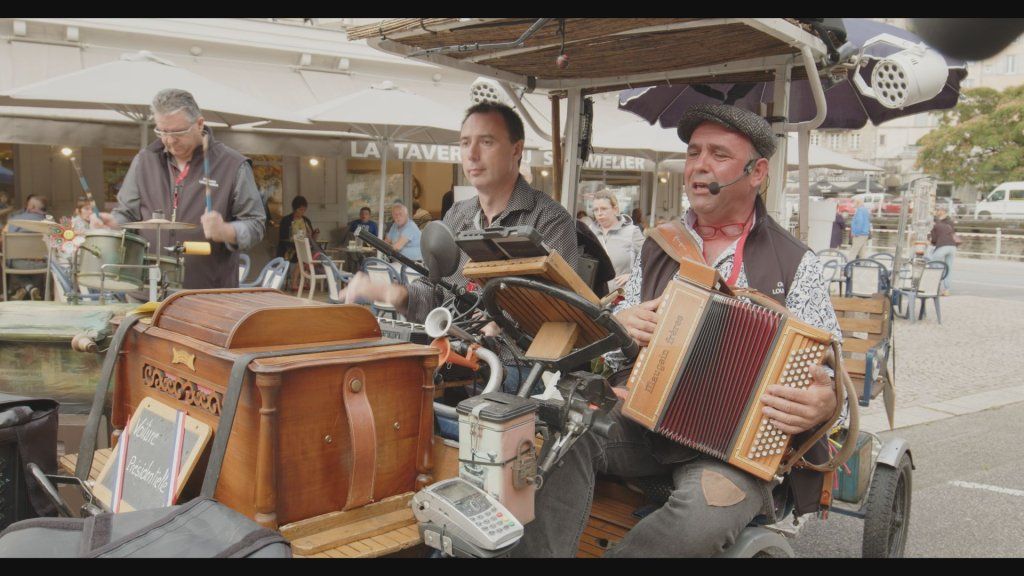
column 737, row 261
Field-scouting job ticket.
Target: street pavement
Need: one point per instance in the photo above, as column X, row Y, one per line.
column 971, row 361
column 1000, row 279
column 968, row 492
column 960, row 404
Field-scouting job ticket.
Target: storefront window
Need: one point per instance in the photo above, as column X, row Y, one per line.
column 431, row 180
column 364, row 188
column 115, row 165
column 543, row 179
column 269, row 174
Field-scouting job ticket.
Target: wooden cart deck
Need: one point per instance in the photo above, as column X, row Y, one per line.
column 388, row 527
column 390, row 523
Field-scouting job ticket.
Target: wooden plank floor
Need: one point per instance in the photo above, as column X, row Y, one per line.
column 611, row 517
column 380, row 545
column 99, row 460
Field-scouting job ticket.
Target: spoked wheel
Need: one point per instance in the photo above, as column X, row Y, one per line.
column 888, row 515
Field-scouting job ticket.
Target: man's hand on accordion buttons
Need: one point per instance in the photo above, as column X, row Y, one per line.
column 641, row 320
column 796, row 410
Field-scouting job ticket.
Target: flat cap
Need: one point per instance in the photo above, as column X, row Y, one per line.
column 743, row 121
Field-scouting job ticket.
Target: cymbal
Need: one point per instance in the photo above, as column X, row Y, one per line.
column 159, row 224
column 41, row 226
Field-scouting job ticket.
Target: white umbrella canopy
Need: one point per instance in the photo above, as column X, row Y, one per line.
column 128, row 86
column 387, row 115
column 384, row 113
column 640, row 139
column 819, row 157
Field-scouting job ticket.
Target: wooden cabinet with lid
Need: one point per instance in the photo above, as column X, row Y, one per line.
column 314, row 432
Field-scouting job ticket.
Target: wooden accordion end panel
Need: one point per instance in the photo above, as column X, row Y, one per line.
column 315, row 431
column 700, row 380
column 532, row 309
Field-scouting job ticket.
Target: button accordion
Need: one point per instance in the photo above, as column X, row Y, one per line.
column 700, row 380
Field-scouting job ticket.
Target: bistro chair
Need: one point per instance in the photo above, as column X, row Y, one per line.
column 929, row 287
column 380, row 271
column 833, row 265
column 273, row 275
column 307, row 266
column 243, row 267
column 336, row 278
column 24, row 246
column 408, row 275
column 885, row 258
column 865, row 278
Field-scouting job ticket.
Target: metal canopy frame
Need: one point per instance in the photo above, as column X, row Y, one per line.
column 777, row 28
column 807, row 50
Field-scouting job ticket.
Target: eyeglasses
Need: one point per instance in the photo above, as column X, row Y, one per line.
column 176, row 134
column 730, row 231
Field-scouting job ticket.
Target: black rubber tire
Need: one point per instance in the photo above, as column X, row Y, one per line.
column 887, row 522
column 984, row 216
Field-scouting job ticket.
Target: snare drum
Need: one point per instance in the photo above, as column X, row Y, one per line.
column 170, row 271
column 112, row 247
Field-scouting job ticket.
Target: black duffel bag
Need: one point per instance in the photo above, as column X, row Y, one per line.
column 202, row 528
column 28, row 434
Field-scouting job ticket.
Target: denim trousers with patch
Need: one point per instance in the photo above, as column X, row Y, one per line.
column 709, row 506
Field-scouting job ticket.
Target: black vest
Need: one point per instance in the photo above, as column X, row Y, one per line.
column 771, row 257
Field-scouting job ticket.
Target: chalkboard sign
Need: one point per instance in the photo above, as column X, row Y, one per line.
column 159, row 439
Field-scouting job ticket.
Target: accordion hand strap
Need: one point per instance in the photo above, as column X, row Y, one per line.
column 845, row 392
column 844, row 388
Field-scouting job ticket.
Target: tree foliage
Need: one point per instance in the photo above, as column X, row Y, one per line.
column 980, row 142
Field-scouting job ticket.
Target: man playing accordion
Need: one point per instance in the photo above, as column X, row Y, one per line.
column 711, row 501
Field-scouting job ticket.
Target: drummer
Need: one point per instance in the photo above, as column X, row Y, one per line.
column 168, row 176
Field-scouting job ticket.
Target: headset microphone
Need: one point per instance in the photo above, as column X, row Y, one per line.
column 714, row 187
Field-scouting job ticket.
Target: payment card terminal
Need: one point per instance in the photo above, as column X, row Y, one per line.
column 454, row 512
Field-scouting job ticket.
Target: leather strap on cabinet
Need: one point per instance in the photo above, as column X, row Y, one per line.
column 363, row 435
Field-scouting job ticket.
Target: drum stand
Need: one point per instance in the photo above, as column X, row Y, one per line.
column 157, row 284
column 154, row 277
column 75, row 297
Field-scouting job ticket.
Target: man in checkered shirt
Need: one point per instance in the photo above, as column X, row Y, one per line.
column 491, row 143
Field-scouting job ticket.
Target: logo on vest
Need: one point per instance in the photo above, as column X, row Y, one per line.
column 779, row 289
column 210, row 181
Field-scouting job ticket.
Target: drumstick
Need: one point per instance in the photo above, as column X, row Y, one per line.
column 85, row 186
column 206, row 171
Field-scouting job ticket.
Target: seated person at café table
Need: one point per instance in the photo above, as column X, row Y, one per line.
column 292, row 224
column 404, row 234
column 26, row 286
column 363, row 222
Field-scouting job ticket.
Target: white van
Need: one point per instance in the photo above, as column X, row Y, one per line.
column 1005, row 202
